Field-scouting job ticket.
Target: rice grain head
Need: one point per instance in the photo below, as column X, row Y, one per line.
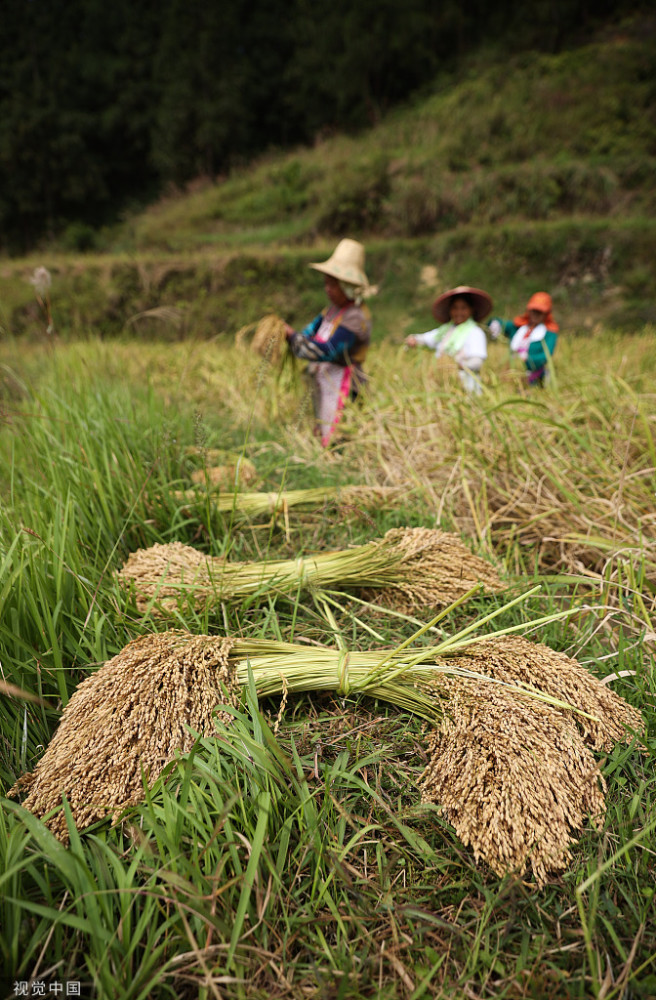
column 270, row 339
column 517, row 660
column 220, row 467
column 165, row 571
column 130, row 718
column 226, row 477
column 435, row 569
column 514, row 779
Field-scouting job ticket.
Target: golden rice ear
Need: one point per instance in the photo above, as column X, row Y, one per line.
column 130, row 718
column 608, row 718
column 435, row 569
column 229, row 476
column 514, row 779
column 165, row 573
column 270, row 338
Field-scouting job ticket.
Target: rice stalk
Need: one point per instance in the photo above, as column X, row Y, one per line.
column 172, row 315
column 409, row 568
column 131, row 717
column 270, row 504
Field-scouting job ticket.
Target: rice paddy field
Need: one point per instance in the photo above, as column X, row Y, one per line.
column 308, row 839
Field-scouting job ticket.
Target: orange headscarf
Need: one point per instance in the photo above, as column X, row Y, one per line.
column 541, row 301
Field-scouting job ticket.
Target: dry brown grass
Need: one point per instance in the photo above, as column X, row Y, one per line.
column 560, row 479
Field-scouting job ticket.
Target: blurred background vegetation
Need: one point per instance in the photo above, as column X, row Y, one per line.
column 176, row 166
column 104, row 106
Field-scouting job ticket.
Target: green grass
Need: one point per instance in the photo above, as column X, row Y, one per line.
column 301, row 862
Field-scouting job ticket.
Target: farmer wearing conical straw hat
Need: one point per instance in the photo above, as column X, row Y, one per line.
column 532, row 336
column 459, row 336
column 336, row 341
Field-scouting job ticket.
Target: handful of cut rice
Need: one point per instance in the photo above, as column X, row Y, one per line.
column 220, row 469
column 409, row 568
column 269, row 338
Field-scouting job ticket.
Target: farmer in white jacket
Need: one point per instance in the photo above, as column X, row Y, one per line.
column 459, row 335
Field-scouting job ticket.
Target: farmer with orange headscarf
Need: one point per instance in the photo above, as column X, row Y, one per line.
column 532, row 336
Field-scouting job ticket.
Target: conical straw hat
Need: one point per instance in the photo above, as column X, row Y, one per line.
column 482, row 303
column 346, row 263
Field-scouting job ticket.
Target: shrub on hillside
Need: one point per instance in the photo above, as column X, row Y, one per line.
column 353, row 197
column 419, row 205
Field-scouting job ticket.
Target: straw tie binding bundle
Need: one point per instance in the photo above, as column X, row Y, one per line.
column 408, row 568
column 129, row 718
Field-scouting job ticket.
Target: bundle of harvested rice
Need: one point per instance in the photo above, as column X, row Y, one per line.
column 408, row 567
column 265, row 504
column 226, row 477
column 132, row 717
column 125, row 723
column 512, row 772
column 269, row 338
column 220, row 468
